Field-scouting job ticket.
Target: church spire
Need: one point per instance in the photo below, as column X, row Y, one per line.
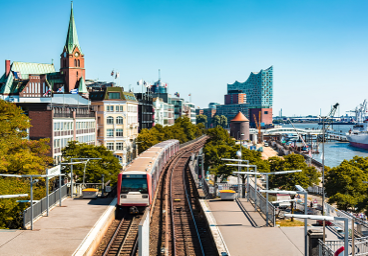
column 72, row 37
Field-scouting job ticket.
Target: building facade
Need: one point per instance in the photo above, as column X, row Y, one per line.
column 258, row 93
column 43, row 94
column 164, row 112
column 145, row 110
column 117, row 121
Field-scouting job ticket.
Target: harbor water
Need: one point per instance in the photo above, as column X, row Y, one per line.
column 335, row 152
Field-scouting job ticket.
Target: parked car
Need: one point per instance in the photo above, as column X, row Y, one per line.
column 266, row 144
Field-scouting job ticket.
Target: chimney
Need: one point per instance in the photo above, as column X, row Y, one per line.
column 7, row 67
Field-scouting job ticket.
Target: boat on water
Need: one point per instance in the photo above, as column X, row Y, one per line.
column 358, row 136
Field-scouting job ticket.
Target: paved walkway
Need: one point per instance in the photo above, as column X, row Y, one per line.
column 246, row 234
column 59, row 234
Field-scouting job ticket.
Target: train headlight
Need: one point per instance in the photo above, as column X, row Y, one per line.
column 144, row 196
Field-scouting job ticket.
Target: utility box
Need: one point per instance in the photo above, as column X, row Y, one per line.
column 90, row 193
column 313, row 236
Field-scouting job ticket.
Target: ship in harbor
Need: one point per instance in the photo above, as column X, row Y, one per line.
column 358, row 136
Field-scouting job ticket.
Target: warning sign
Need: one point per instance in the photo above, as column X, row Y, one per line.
column 315, row 201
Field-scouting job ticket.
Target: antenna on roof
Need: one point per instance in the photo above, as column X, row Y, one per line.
column 52, row 61
column 159, row 74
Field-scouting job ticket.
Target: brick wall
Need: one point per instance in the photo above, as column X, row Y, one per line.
column 41, row 122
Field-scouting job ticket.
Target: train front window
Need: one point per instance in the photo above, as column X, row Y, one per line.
column 134, row 183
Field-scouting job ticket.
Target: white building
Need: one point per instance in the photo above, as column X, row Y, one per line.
column 164, row 112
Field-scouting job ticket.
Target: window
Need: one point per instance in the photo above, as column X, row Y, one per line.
column 121, row 108
column 64, row 63
column 110, row 108
column 78, row 63
column 119, row 146
column 119, row 132
column 110, row 145
column 266, row 112
column 110, row 120
column 110, row 133
column 75, row 63
column 114, row 95
column 119, row 120
column 117, row 109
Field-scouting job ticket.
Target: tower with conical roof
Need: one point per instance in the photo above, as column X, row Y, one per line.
column 72, row 57
column 239, row 127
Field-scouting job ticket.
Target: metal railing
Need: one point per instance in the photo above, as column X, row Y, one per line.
column 41, row 207
column 324, row 250
column 360, row 245
column 315, row 190
column 262, row 203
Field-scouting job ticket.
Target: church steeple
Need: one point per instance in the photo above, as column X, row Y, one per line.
column 72, row 37
column 72, row 58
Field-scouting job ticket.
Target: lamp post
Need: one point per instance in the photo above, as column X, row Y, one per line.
column 255, row 170
column 328, row 218
column 267, row 174
column 301, row 191
column 247, row 162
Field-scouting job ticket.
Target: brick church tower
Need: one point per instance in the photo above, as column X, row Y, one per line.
column 72, row 58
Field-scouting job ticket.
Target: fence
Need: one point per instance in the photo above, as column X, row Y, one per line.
column 315, row 190
column 262, row 203
column 360, row 245
column 324, row 250
column 41, row 207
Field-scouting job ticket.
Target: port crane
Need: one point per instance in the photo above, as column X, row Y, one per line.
column 329, row 117
column 258, row 125
column 360, row 112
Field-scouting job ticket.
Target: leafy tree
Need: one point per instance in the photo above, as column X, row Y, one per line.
column 202, row 119
column 221, row 145
column 108, row 165
column 223, row 121
column 308, row 177
column 344, row 184
column 183, row 130
column 216, row 121
column 17, row 154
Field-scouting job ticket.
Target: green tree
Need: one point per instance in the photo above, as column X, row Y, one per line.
column 223, row 121
column 109, row 165
column 201, row 119
column 308, row 177
column 19, row 156
column 216, row 121
column 344, row 184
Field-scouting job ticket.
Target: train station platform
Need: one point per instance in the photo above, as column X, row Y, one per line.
column 68, row 230
column 244, row 232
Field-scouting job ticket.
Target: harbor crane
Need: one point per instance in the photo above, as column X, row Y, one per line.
column 258, row 125
column 360, row 112
column 329, row 119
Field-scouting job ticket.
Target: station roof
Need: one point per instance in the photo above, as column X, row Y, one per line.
column 240, row 118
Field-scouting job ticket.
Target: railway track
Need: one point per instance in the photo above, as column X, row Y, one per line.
column 178, row 226
column 121, row 238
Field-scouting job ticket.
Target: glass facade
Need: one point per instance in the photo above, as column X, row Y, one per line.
column 258, row 89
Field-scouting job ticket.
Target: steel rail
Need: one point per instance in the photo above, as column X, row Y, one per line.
column 113, row 238
column 191, row 210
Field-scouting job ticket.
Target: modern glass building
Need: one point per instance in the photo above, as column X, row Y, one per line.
column 258, row 89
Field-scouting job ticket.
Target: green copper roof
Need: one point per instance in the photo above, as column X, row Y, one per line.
column 27, row 68
column 82, row 86
column 72, row 37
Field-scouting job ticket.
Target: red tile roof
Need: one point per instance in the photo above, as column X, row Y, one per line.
column 240, row 118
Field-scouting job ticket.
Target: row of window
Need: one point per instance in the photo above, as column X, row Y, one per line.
column 119, row 146
column 63, row 126
column 110, row 120
column 61, row 143
column 86, row 125
column 36, row 88
column 118, row 133
column 120, row 108
column 86, row 138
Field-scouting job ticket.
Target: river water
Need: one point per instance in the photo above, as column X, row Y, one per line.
column 335, row 152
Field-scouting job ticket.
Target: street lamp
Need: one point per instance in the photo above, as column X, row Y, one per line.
column 239, row 169
column 300, row 191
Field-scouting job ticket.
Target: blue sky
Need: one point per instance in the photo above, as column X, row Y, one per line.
column 318, row 48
